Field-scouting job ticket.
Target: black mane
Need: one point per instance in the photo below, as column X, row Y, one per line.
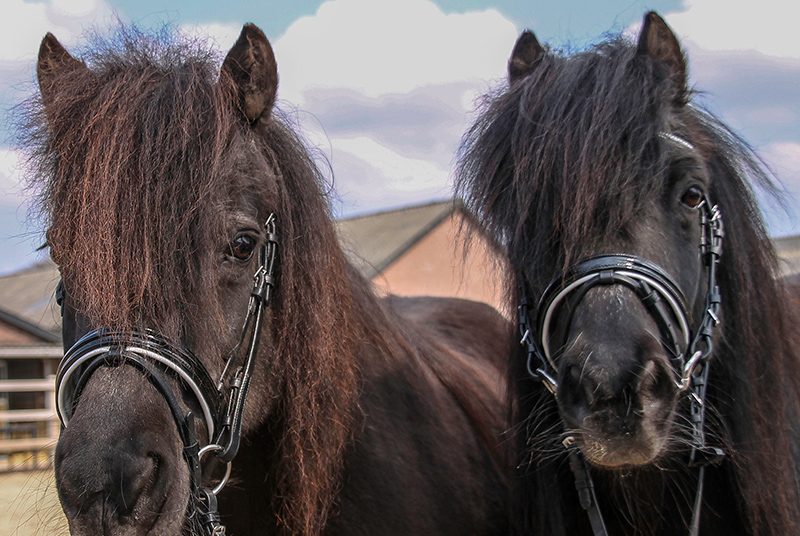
column 566, row 156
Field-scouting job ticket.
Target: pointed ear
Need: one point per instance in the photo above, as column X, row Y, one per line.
column 250, row 66
column 657, row 41
column 525, row 56
column 54, row 60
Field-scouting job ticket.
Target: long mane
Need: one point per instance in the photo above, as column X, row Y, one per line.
column 568, row 155
column 141, row 149
column 137, row 148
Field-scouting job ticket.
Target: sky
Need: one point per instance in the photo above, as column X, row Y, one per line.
column 384, row 89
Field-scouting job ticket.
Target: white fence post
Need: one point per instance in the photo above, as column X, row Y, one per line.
column 31, row 445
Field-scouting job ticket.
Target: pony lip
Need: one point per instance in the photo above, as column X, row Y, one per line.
column 618, row 455
column 599, row 154
column 336, row 410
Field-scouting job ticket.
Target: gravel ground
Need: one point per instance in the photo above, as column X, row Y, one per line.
column 29, row 505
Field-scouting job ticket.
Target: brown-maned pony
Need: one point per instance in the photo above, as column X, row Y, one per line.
column 195, row 242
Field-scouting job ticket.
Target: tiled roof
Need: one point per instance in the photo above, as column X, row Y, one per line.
column 28, row 294
column 788, row 248
column 33, row 334
column 374, row 241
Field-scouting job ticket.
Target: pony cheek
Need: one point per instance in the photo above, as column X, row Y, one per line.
column 265, row 388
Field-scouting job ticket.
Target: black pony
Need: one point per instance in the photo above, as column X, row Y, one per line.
column 207, row 303
column 609, row 189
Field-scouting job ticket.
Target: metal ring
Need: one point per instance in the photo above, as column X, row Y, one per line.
column 688, row 370
column 215, row 448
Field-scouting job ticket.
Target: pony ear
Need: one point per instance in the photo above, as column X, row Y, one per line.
column 251, row 67
column 54, row 60
column 525, row 56
column 657, row 41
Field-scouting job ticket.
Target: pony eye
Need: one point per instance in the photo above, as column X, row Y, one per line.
column 242, row 248
column 693, row 197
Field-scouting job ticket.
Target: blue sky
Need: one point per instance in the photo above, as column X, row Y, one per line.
column 385, row 88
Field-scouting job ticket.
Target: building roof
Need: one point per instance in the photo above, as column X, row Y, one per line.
column 788, row 249
column 28, row 295
column 374, row 241
column 32, row 332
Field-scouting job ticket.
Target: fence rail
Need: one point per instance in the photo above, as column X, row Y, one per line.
column 36, row 429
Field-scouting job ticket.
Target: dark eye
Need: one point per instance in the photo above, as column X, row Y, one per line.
column 693, row 197
column 242, row 248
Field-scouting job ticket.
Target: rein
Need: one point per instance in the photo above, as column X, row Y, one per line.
column 667, row 305
column 221, row 403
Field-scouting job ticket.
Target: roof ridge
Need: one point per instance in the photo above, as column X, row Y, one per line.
column 27, row 326
column 44, row 265
column 443, row 202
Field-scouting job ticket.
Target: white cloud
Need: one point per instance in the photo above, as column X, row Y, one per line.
column 775, row 115
column 398, row 172
column 371, row 176
column 769, row 26
column 10, row 176
column 23, row 24
column 22, row 27
column 394, row 80
column 747, row 55
column 75, row 8
column 410, row 71
column 221, row 36
column 784, row 159
column 390, row 46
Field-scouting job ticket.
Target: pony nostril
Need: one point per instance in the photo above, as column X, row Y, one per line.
column 122, row 485
column 653, row 380
column 576, row 392
column 646, row 378
column 575, row 372
column 137, row 478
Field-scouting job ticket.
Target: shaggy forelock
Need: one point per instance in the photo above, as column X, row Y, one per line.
column 131, row 164
column 566, row 155
column 134, row 160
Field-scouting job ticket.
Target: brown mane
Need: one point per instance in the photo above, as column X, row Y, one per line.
column 159, row 99
column 141, row 149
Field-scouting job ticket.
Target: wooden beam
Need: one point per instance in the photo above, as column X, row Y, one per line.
column 22, row 415
column 21, row 386
column 9, row 446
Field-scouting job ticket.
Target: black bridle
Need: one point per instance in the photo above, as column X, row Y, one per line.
column 664, row 300
column 221, row 403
